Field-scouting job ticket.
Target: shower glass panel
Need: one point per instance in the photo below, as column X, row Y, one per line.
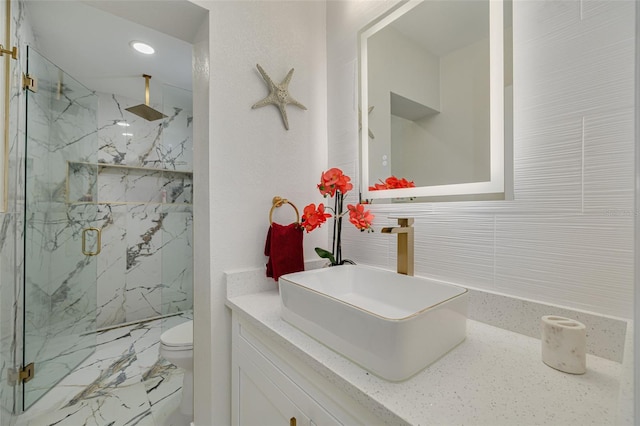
column 176, row 154
column 61, row 226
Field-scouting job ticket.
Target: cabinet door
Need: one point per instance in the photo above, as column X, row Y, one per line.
column 270, row 389
column 262, row 403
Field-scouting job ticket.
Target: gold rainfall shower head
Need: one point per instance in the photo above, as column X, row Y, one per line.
column 144, row 110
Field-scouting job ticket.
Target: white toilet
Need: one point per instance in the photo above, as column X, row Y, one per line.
column 176, row 346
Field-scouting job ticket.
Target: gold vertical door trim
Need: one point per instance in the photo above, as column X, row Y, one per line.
column 7, row 88
column 98, row 242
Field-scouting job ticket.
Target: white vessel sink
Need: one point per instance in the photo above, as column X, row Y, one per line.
column 392, row 325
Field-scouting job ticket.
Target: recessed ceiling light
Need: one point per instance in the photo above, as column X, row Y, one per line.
column 127, row 134
column 123, row 124
column 142, row 47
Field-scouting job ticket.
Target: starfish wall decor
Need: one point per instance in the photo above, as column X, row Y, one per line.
column 278, row 95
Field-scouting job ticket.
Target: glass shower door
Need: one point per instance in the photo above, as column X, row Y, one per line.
column 61, row 228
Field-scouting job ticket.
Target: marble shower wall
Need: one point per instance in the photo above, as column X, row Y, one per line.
column 145, row 268
column 127, row 139
column 144, row 196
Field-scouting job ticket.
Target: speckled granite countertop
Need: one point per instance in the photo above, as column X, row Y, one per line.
column 495, row 377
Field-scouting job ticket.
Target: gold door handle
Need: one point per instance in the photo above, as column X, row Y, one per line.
column 292, row 421
column 98, row 242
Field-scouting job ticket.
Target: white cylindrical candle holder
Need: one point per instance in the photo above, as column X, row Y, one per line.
column 564, row 343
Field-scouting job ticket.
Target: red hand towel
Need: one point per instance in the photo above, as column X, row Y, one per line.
column 284, row 248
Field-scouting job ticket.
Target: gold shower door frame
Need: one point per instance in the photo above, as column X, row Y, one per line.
column 9, row 53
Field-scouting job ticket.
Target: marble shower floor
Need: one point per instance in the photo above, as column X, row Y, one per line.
column 124, row 382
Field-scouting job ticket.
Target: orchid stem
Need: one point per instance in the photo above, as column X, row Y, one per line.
column 339, row 200
column 335, row 226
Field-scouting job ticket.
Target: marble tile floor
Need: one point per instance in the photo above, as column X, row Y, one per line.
column 124, row 382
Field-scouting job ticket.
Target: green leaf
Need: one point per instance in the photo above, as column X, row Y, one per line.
column 326, row 255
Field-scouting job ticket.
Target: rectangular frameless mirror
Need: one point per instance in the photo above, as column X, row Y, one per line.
column 435, row 100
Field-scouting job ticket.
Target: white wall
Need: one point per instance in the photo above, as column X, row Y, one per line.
column 399, row 65
column 567, row 238
column 251, row 158
column 453, row 145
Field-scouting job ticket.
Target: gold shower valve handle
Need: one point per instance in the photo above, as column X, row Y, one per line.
column 98, row 242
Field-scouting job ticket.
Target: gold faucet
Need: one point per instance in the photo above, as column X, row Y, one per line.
column 405, row 244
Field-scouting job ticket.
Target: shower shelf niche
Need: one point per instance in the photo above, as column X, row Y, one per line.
column 102, row 183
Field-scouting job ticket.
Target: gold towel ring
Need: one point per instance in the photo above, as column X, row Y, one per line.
column 279, row 201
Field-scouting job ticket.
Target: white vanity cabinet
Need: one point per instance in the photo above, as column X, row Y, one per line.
column 270, row 387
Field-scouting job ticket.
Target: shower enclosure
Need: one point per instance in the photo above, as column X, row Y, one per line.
column 61, row 230
column 108, row 219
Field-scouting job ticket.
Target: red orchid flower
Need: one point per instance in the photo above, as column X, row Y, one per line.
column 334, row 180
column 392, row 182
column 378, row 186
column 313, row 218
column 335, row 183
column 359, row 217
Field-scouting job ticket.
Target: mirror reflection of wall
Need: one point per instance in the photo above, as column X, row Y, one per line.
column 429, row 85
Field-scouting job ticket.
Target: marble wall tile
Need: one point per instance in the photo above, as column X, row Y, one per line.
column 136, row 283
column 176, row 152
column 178, row 187
column 59, row 280
column 143, row 276
column 143, row 186
column 130, row 140
column 150, row 150
column 60, row 128
column 112, row 185
column 81, row 182
column 7, row 310
column 60, row 295
column 177, row 262
column 123, row 135
column 112, row 265
column 146, row 269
